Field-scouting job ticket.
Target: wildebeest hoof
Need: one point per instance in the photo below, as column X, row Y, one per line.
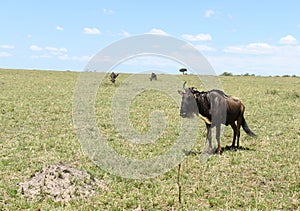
column 210, row 151
column 219, row 151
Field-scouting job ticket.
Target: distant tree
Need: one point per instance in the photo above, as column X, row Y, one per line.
column 183, row 70
column 248, row 74
column 226, row 74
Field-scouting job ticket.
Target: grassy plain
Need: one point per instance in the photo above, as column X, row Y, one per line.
column 36, row 129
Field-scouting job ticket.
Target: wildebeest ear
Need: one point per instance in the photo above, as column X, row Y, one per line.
column 180, row 92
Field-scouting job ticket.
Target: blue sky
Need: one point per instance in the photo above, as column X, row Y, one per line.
column 259, row 37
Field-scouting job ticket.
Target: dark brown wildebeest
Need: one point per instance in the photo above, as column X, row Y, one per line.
column 153, row 76
column 113, row 77
column 215, row 108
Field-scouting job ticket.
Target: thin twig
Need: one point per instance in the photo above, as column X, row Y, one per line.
column 178, row 183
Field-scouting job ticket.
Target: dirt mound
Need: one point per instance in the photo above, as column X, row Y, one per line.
column 61, row 183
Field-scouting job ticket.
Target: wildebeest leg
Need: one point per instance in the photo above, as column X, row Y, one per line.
column 208, row 137
column 234, row 128
column 239, row 123
column 218, row 135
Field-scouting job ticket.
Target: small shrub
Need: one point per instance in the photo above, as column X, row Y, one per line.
column 272, row 92
column 293, row 95
column 226, row 74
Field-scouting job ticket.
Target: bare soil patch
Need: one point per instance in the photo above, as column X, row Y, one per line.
column 61, row 182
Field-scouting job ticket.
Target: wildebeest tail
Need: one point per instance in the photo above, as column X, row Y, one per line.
column 247, row 129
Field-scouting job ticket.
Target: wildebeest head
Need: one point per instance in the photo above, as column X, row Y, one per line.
column 188, row 103
column 153, row 76
column 113, row 77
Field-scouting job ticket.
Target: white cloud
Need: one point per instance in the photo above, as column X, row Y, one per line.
column 258, row 58
column 124, row 33
column 158, row 32
column 56, row 51
column 61, row 56
column 204, row 48
column 279, row 63
column 35, row 48
column 48, row 52
column 49, row 48
column 74, row 58
column 5, row 54
column 63, row 49
column 94, row 30
column 40, row 56
column 198, row 37
column 59, row 28
column 107, row 11
column 209, row 13
column 148, row 64
column 7, row 46
column 229, row 16
column 200, row 48
column 252, row 48
column 288, row 40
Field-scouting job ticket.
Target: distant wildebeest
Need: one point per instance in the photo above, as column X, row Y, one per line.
column 153, row 76
column 215, row 108
column 113, row 77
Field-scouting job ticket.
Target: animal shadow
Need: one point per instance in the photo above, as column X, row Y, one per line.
column 235, row 149
column 224, row 149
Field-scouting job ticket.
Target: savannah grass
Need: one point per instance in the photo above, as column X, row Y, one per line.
column 36, row 129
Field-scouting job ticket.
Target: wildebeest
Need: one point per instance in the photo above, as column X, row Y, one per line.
column 113, row 77
column 215, row 108
column 153, row 76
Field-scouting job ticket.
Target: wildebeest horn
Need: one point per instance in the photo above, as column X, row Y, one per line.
column 184, row 85
column 205, row 119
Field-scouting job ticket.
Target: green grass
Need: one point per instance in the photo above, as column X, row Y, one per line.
column 36, row 129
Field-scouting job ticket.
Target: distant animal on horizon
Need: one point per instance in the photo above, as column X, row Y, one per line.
column 113, row 77
column 214, row 107
column 153, row 76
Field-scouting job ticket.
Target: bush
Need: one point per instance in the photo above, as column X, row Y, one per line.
column 226, row 74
